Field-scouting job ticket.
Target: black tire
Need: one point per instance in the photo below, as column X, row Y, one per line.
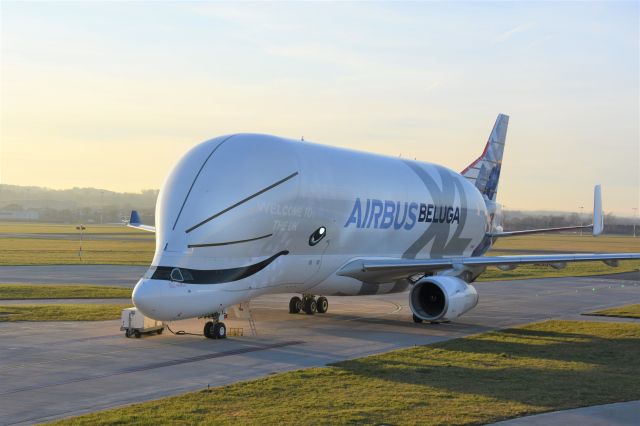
column 416, row 319
column 160, row 331
column 219, row 331
column 322, row 305
column 127, row 333
column 137, row 334
column 310, row 306
column 207, row 330
column 295, row 305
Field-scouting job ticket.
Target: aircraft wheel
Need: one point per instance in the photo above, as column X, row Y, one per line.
column 219, row 331
column 416, row 319
column 207, row 330
column 322, row 305
column 295, row 305
column 310, row 306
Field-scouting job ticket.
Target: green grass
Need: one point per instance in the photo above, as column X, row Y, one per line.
column 476, row 380
column 61, row 291
column 22, row 251
column 86, row 312
column 628, row 311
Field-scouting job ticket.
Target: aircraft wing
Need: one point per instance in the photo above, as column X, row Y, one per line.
column 597, row 226
column 538, row 231
column 386, row 270
column 134, row 222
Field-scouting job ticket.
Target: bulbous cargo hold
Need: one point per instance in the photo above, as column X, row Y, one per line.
column 246, row 186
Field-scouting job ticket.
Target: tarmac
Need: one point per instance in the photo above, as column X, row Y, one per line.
column 111, row 275
column 618, row 414
column 59, row 369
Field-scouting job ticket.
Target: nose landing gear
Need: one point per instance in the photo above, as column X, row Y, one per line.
column 215, row 329
column 309, row 304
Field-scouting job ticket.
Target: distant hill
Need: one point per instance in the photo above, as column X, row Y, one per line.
column 73, row 205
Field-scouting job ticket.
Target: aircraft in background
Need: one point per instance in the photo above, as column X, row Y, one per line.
column 245, row 215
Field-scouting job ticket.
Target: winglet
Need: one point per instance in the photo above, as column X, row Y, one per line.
column 598, row 221
column 135, row 218
column 134, row 222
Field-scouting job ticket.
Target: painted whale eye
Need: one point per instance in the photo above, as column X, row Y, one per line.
column 317, row 235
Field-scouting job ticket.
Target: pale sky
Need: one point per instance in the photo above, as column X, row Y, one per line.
column 111, row 94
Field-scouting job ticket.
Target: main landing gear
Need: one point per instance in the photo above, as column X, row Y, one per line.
column 309, row 304
column 215, row 329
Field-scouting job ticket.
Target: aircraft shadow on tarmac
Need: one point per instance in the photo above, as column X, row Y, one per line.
column 342, row 319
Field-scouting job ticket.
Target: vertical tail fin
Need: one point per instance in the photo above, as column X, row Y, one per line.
column 484, row 172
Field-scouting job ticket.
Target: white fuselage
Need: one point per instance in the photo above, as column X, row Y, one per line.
column 237, row 216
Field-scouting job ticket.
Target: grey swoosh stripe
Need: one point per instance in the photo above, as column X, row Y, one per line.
column 439, row 234
column 262, row 191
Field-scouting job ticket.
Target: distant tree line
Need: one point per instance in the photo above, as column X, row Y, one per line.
column 76, row 205
column 107, row 214
column 518, row 221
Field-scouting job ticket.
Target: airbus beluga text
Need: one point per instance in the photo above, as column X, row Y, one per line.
column 245, row 215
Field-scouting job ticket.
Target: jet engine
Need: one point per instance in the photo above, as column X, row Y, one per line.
column 441, row 298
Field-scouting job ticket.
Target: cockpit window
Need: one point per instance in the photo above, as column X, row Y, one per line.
column 186, row 275
column 176, row 275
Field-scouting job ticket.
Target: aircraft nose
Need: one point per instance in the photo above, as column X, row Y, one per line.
column 146, row 299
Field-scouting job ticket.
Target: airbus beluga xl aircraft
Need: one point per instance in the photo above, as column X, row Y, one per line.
column 247, row 214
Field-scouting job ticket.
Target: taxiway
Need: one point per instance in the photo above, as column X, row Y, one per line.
column 53, row 370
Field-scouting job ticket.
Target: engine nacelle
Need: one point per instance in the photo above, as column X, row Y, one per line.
column 441, row 298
